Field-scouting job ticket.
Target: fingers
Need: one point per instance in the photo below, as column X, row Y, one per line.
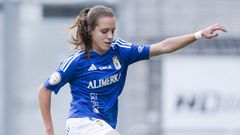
column 211, row 31
column 216, row 27
column 211, row 35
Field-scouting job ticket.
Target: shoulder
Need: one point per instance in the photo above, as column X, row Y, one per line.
column 71, row 59
column 119, row 43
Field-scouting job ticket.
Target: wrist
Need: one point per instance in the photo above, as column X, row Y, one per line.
column 198, row 35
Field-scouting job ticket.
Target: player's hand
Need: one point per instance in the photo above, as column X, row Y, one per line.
column 211, row 31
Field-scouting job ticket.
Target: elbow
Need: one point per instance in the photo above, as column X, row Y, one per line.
column 167, row 46
column 167, row 49
column 43, row 92
column 161, row 48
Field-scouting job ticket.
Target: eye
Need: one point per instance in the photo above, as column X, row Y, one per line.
column 104, row 31
column 113, row 31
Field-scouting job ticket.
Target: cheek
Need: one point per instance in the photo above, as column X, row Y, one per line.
column 98, row 36
column 97, row 40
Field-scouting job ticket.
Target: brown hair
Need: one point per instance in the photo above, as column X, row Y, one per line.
column 86, row 21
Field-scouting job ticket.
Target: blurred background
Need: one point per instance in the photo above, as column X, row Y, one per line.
column 194, row 91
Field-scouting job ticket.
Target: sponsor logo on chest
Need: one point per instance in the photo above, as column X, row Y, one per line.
column 94, row 84
column 115, row 61
column 93, row 67
column 105, row 67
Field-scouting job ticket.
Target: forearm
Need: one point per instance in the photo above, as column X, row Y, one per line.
column 44, row 96
column 175, row 43
column 172, row 44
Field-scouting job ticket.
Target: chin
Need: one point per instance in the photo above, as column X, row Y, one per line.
column 107, row 47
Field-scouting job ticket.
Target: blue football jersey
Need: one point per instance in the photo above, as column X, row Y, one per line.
column 96, row 82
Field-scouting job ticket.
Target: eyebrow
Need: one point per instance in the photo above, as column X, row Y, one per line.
column 108, row 28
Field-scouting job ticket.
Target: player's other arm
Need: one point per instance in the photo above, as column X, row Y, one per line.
column 175, row 43
column 44, row 96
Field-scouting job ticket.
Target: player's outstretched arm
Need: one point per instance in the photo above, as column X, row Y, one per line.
column 175, row 43
column 44, row 96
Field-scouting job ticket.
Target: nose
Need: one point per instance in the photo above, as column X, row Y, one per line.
column 110, row 35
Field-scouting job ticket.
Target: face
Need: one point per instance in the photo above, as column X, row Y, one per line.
column 103, row 34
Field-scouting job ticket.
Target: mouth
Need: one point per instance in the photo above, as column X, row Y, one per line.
column 108, row 43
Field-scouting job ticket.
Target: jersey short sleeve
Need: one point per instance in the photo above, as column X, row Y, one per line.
column 63, row 74
column 132, row 52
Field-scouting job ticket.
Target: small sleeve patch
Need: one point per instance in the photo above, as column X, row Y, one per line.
column 55, row 78
column 140, row 48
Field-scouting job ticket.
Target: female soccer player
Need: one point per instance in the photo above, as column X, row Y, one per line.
column 96, row 71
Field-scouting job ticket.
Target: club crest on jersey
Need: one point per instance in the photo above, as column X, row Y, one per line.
column 116, row 63
column 55, row 78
